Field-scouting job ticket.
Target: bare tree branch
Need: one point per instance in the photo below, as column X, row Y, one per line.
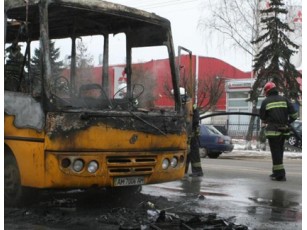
column 236, row 20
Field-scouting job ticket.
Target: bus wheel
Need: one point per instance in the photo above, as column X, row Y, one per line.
column 13, row 191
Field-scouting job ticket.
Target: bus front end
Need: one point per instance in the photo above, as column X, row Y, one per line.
column 91, row 97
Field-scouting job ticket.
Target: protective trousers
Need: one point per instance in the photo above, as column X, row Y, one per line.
column 194, row 157
column 277, row 152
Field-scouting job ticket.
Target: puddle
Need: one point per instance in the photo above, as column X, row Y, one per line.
column 276, row 205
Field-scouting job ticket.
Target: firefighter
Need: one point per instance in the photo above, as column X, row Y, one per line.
column 277, row 113
column 193, row 155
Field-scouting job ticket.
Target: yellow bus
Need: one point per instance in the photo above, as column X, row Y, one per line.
column 67, row 128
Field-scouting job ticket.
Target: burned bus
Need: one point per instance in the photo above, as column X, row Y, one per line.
column 65, row 128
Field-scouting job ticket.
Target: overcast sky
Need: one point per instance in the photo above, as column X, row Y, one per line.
column 184, row 16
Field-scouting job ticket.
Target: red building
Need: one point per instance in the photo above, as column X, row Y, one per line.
column 202, row 68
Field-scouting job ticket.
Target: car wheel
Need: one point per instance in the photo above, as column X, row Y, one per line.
column 203, row 152
column 292, row 140
column 214, row 155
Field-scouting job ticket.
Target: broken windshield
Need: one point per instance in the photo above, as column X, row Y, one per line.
column 91, row 59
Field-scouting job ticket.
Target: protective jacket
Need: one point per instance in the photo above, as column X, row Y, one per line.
column 277, row 112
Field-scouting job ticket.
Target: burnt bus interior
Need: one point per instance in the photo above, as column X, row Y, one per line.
column 48, row 21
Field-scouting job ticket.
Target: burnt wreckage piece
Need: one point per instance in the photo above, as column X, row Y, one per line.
column 138, row 219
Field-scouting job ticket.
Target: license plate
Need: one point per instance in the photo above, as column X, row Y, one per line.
column 127, row 181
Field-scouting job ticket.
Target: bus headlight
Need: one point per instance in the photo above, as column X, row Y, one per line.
column 165, row 163
column 92, row 167
column 65, row 163
column 78, row 165
column 174, row 162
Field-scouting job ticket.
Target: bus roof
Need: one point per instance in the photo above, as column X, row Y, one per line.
column 85, row 17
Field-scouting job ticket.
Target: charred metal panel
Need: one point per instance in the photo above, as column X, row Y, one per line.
column 87, row 17
column 27, row 111
column 63, row 123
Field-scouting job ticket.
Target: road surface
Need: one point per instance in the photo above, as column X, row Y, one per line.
column 234, row 190
column 241, row 187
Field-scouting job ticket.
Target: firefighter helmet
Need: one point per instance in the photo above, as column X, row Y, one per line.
column 268, row 86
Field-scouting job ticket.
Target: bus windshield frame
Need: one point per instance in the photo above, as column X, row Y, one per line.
column 48, row 21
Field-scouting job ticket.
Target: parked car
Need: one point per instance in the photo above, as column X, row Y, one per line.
column 296, row 139
column 212, row 142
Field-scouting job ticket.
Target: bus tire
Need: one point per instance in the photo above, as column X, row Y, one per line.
column 14, row 193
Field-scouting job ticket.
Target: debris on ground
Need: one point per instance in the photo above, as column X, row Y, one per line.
column 101, row 211
column 163, row 220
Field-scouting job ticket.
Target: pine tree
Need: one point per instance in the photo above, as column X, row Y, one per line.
column 56, row 66
column 84, row 65
column 272, row 63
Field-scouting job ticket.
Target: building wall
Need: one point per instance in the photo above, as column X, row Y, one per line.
column 214, row 69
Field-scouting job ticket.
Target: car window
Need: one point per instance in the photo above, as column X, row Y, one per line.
column 297, row 126
column 203, row 130
column 213, row 130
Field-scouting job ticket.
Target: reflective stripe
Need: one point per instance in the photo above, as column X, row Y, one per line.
column 272, row 133
column 278, row 167
column 275, row 133
column 197, row 164
column 280, row 104
column 294, row 115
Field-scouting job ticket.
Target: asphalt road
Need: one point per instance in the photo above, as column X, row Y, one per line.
column 255, row 169
column 234, row 189
column 240, row 187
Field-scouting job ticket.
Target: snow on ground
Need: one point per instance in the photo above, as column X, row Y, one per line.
column 240, row 150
